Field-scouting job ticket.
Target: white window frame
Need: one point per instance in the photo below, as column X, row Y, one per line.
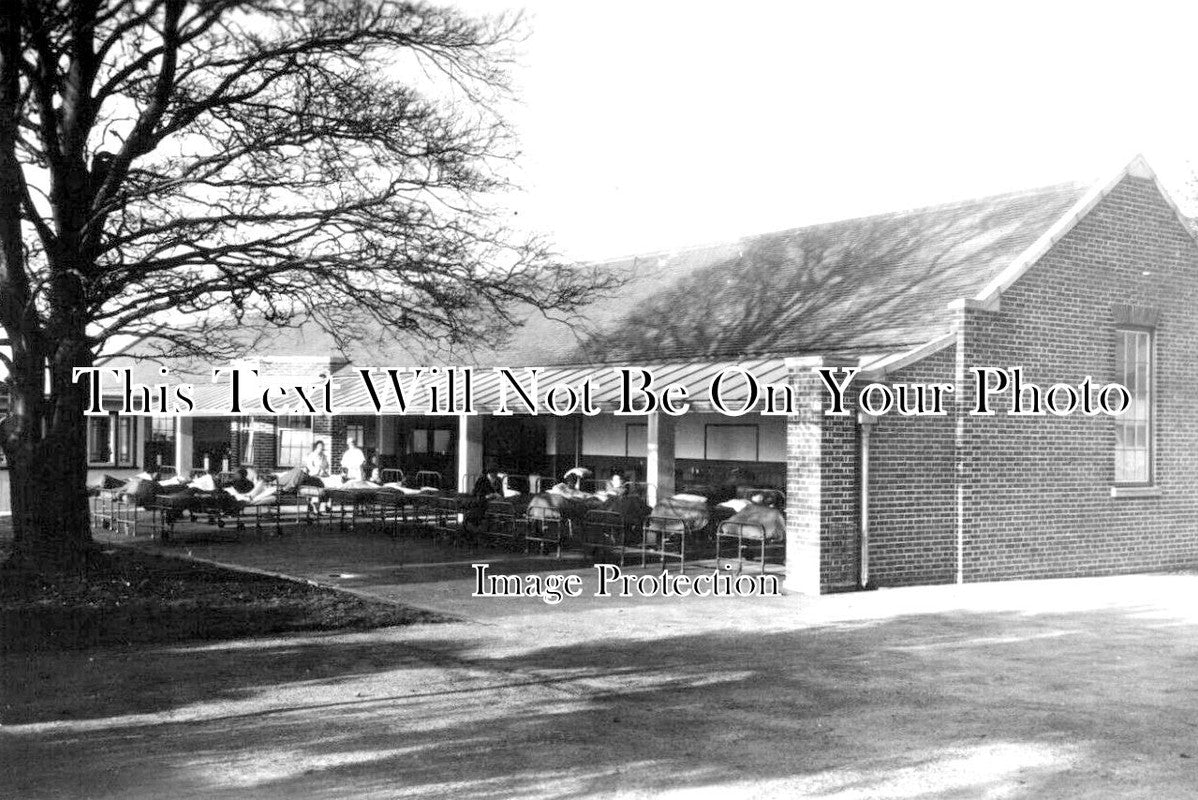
column 304, row 450
column 1126, row 423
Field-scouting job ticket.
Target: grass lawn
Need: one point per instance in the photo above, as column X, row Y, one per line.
column 140, row 597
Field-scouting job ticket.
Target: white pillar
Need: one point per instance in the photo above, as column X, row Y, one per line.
column 141, row 433
column 183, row 445
column 470, row 449
column 659, row 448
column 551, row 451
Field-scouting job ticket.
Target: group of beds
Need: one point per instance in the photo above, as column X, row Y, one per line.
column 161, row 500
column 730, row 524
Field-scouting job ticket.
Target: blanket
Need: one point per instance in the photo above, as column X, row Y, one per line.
column 758, row 521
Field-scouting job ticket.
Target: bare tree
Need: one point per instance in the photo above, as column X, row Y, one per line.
column 170, row 169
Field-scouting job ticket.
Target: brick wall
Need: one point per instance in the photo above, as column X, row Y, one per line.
column 805, row 520
column 1037, row 490
column 265, row 451
column 822, row 492
column 913, row 496
column 840, row 503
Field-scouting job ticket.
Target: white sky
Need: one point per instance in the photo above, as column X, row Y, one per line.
column 649, row 125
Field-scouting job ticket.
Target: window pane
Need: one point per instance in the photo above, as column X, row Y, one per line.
column 125, row 436
column 294, row 436
column 1133, row 428
column 99, row 432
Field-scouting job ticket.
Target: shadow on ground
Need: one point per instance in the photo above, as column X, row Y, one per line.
column 977, row 704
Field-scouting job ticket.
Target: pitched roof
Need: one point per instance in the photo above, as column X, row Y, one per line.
column 873, row 284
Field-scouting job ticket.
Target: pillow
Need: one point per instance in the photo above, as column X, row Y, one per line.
column 736, row 504
column 690, row 498
column 332, row 481
column 205, row 483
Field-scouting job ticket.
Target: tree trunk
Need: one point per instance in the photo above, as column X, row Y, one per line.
column 48, row 475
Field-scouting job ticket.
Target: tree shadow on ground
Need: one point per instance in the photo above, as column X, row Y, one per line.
column 933, row 705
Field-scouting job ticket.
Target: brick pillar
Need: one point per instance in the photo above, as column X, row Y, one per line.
column 266, row 450
column 660, row 462
column 975, row 324
column 336, row 445
column 804, row 477
column 388, row 435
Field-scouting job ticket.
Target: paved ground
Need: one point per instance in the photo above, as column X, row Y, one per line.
column 1078, row 688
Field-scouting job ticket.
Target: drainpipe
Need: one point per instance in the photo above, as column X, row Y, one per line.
column 866, row 421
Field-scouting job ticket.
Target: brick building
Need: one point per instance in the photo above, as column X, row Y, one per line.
column 1066, row 282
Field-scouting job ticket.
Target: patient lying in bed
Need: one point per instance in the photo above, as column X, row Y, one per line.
column 569, row 488
column 260, row 492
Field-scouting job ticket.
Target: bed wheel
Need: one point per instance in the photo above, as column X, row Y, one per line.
column 220, row 523
column 241, row 526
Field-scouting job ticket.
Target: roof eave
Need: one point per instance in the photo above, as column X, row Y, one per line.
column 1138, row 167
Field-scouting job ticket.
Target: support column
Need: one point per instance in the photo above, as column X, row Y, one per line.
column 388, row 428
column 804, row 477
column 659, row 449
column 563, row 445
column 470, row 449
column 184, row 448
column 141, row 434
column 551, row 450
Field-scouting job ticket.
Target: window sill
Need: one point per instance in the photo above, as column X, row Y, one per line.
column 1135, row 491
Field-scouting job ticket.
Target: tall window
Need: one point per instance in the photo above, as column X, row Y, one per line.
column 99, row 439
column 126, row 441
column 1133, row 428
column 160, row 442
column 425, row 440
column 295, row 440
column 356, row 432
column 162, row 429
column 243, row 428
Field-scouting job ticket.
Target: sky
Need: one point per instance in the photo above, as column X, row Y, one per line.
column 648, row 126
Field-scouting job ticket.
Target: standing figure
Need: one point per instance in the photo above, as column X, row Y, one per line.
column 353, row 460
